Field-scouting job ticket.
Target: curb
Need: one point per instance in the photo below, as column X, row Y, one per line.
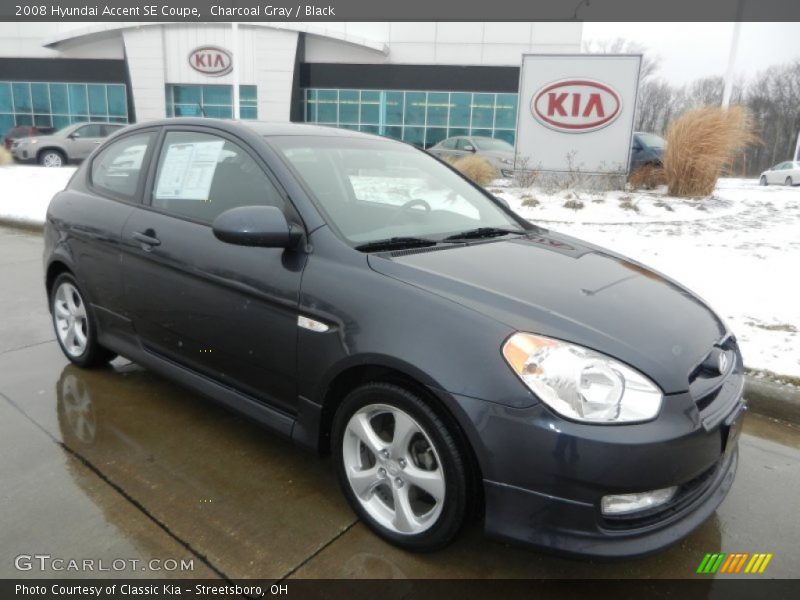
column 772, row 399
column 30, row 226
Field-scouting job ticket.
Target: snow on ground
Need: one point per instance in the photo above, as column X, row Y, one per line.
column 738, row 249
column 25, row 191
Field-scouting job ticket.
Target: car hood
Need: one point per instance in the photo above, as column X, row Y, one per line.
column 497, row 154
column 561, row 287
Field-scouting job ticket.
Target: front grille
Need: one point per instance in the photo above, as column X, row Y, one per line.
column 684, row 497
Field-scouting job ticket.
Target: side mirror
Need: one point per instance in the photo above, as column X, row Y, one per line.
column 264, row 226
column 469, row 148
column 74, row 135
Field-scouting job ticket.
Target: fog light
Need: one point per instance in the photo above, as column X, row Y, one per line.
column 622, row 504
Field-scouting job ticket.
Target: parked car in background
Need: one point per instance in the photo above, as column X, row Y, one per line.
column 70, row 144
column 498, row 152
column 647, row 150
column 365, row 300
column 785, row 173
column 21, row 132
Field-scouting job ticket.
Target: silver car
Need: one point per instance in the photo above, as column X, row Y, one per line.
column 785, row 173
column 70, row 144
column 498, row 152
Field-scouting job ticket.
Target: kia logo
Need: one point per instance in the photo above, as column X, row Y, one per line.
column 576, row 105
column 211, row 60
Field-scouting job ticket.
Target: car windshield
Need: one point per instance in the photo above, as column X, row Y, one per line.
column 651, row 140
column 493, row 145
column 371, row 190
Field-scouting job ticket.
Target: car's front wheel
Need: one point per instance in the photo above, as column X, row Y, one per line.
column 400, row 467
column 763, row 180
column 52, row 158
column 75, row 324
column 789, row 182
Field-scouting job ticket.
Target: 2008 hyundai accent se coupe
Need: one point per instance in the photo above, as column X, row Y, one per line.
column 363, row 298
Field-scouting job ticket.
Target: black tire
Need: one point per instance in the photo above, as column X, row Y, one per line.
column 763, row 180
column 93, row 355
column 44, row 158
column 459, row 481
column 789, row 182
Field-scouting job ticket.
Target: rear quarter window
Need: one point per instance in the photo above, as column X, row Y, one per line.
column 118, row 169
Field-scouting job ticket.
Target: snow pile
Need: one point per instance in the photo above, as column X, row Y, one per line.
column 26, row 191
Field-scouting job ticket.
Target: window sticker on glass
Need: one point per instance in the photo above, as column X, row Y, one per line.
column 188, row 169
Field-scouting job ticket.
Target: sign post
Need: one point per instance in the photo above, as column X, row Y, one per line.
column 576, row 112
column 797, row 148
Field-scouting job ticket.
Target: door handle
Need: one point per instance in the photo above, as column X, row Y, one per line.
column 147, row 238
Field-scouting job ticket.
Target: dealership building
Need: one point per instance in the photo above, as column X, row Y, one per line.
column 419, row 82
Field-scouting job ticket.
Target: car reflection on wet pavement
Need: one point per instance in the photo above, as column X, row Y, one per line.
column 120, row 463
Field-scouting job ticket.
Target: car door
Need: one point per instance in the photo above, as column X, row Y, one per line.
column 84, row 140
column 226, row 311
column 445, row 149
column 99, row 205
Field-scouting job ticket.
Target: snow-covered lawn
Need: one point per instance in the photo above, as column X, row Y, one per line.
column 739, row 249
column 25, row 191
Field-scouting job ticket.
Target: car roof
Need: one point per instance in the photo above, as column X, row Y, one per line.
column 262, row 128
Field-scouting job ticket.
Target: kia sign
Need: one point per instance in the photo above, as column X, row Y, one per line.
column 576, row 105
column 211, row 60
column 576, row 112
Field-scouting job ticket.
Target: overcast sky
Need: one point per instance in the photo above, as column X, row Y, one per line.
column 692, row 50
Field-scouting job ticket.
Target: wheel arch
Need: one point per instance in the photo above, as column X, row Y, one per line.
column 354, row 376
column 41, row 151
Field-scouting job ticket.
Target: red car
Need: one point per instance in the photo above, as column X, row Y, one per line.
column 21, row 132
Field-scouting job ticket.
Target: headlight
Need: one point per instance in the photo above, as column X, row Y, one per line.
column 506, row 161
column 579, row 383
column 33, row 141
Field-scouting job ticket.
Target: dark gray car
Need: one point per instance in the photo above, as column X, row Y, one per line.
column 360, row 297
column 70, row 144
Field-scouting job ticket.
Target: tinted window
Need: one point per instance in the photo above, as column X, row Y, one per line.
column 118, row 168
column 109, row 129
column 463, row 143
column 94, row 130
column 201, row 175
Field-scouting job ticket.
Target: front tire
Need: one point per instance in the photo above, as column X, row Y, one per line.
column 400, row 468
column 763, row 180
column 52, row 158
column 789, row 182
column 75, row 324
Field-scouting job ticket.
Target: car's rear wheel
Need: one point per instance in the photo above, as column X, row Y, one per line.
column 789, row 182
column 75, row 325
column 763, row 180
column 52, row 158
column 400, row 467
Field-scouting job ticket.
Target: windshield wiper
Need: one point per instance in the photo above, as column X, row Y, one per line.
column 396, row 243
column 482, row 232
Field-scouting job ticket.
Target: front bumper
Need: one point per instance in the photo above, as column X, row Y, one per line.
column 23, row 153
column 545, row 476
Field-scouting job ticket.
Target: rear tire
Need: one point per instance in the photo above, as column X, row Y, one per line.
column 763, row 180
column 75, row 324
column 400, row 468
column 52, row 158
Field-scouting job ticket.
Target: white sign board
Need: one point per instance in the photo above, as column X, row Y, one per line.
column 576, row 112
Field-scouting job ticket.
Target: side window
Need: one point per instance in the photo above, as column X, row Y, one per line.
column 110, row 129
column 202, row 175
column 118, row 168
column 93, row 130
column 449, row 144
column 462, row 143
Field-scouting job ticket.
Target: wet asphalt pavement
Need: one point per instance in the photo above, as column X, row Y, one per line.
column 121, row 464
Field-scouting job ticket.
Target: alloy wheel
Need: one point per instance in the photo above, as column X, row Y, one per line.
column 52, row 159
column 393, row 468
column 69, row 315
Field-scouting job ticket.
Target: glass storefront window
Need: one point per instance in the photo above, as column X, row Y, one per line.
column 57, row 104
column 213, row 101
column 419, row 117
